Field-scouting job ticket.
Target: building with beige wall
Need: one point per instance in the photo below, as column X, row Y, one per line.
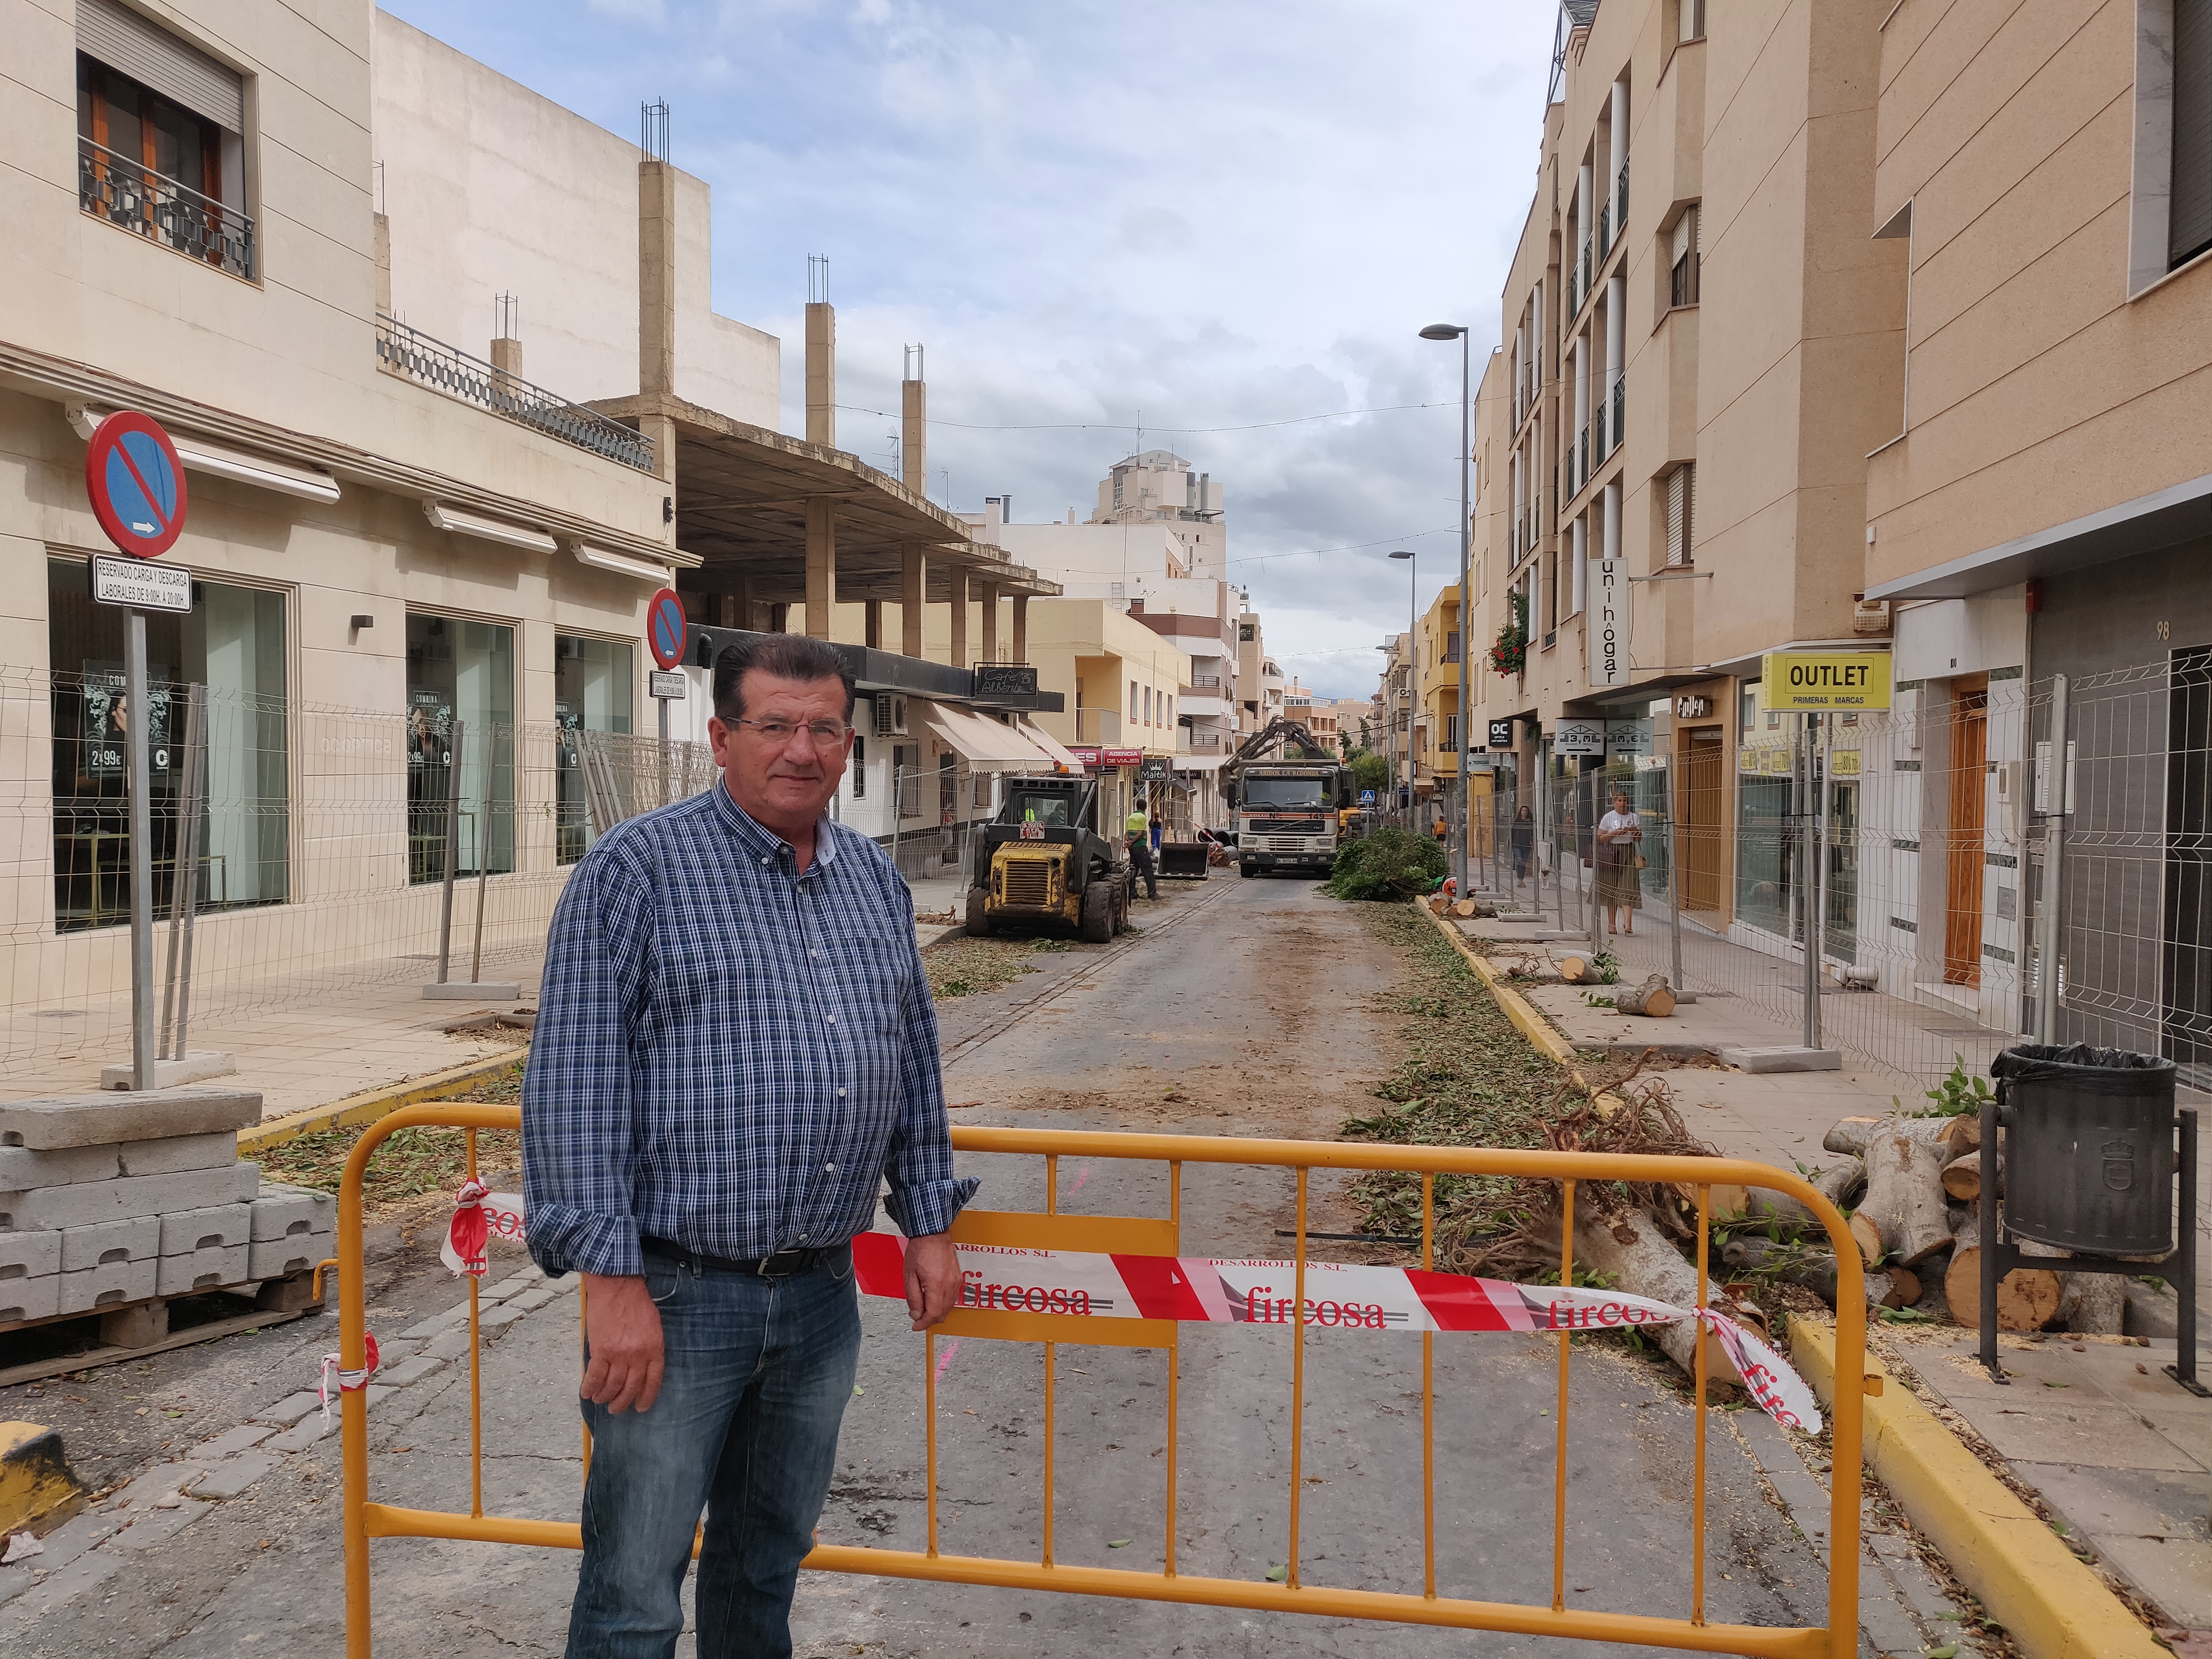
column 1124, row 683
column 1701, row 341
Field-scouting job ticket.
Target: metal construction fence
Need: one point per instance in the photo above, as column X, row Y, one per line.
column 1130, row 1239
column 320, row 843
column 1921, row 842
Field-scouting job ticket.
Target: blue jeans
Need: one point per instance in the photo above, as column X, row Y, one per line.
column 757, row 1374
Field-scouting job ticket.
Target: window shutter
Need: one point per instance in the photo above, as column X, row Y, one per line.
column 123, row 40
column 1681, row 491
column 2189, row 231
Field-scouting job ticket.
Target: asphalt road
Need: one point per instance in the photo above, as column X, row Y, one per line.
column 1241, row 1007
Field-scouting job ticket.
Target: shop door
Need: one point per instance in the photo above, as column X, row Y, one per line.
column 1703, row 773
column 1963, row 855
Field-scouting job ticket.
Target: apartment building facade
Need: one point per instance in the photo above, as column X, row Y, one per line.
column 1660, row 502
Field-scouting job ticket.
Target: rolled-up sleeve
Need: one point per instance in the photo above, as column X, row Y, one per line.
column 924, row 1194
column 578, row 1123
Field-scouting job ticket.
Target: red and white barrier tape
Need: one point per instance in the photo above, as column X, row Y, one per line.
column 349, row 1382
column 478, row 1212
column 1340, row 1296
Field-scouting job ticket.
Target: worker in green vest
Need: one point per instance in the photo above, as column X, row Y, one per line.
column 1137, row 827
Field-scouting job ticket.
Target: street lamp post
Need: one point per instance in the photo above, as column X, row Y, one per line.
column 1412, row 691
column 1448, row 332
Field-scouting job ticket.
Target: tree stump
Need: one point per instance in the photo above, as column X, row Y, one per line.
column 1574, row 970
column 1654, row 998
column 1962, row 1177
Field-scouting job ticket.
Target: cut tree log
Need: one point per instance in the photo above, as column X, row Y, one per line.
column 2027, row 1297
column 1904, row 1197
column 1966, row 1133
column 1654, row 998
column 1962, row 1177
column 1850, row 1136
column 2087, row 1303
column 1907, row 1283
column 1869, row 1237
column 1815, row 1269
column 1574, row 970
column 1634, row 1252
column 1836, row 1185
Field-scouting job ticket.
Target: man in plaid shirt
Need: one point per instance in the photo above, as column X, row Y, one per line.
column 735, row 1050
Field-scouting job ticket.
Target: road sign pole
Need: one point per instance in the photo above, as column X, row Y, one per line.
column 138, row 711
column 452, row 853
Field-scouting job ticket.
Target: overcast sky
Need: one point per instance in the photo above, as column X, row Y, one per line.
column 1186, row 216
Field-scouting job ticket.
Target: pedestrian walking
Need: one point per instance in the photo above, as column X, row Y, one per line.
column 1619, row 884
column 735, row 1050
column 1138, row 832
column 1158, row 830
column 1525, row 842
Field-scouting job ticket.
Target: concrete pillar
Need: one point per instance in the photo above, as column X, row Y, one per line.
column 821, row 375
column 1616, row 333
column 656, row 276
column 988, row 593
column 914, row 430
column 779, row 619
column 913, row 566
column 957, row 577
column 874, row 636
column 821, row 562
column 1619, row 158
column 1021, row 628
column 1580, row 560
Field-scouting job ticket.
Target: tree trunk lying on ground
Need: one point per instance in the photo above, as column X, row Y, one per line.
column 1962, row 1177
column 2087, row 1303
column 1904, row 1198
column 2027, row 1297
column 1816, row 1270
column 1836, row 1185
column 1633, row 1251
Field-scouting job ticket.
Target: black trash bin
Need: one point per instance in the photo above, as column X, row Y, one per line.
column 2088, row 1147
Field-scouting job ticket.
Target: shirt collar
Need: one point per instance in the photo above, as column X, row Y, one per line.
column 764, row 841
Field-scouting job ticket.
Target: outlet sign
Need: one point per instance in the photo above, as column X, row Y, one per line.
column 1815, row 680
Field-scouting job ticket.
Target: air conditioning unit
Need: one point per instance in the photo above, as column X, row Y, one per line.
column 890, row 715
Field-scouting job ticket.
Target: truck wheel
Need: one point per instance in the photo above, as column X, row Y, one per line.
column 1122, row 898
column 979, row 913
column 1246, row 870
column 1097, row 913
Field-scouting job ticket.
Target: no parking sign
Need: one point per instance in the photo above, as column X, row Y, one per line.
column 666, row 628
column 136, row 484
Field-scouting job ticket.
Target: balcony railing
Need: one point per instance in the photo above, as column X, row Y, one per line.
column 112, row 187
column 410, row 352
column 1620, row 408
column 1620, row 194
column 1604, row 231
column 1203, row 737
column 1206, row 682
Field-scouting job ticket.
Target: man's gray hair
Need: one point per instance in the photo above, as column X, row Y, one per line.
column 786, row 656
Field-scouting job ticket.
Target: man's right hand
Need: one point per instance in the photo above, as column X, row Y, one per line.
column 623, row 1328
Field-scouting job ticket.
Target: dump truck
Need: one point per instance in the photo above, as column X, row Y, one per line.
column 1288, row 790
column 1044, row 861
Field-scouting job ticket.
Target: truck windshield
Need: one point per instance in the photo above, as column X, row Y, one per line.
column 1041, row 809
column 1263, row 795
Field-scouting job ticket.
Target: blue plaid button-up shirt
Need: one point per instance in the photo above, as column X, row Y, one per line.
column 729, row 1055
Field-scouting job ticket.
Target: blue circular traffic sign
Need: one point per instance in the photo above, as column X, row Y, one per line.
column 666, row 628
column 136, row 484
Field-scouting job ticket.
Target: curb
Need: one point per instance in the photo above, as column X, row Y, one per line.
column 368, row 1108
column 2051, row 1604
column 1518, row 1008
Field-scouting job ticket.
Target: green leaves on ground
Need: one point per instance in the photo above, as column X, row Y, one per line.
column 1390, row 864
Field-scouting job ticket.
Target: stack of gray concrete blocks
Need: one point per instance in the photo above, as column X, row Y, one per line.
column 108, row 1200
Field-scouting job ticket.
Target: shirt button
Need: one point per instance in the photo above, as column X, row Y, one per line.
column 833, row 1019
column 817, row 955
column 841, row 1094
column 830, row 1169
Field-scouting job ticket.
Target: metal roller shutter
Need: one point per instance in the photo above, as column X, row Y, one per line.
column 1681, row 498
column 122, row 39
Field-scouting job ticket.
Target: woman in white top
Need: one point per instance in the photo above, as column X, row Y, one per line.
column 1620, row 888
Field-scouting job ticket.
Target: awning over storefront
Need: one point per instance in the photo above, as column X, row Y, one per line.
column 977, row 738
column 1058, row 752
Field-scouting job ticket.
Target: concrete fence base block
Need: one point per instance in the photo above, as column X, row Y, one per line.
column 473, row 991
column 197, row 1065
column 53, row 1121
column 1787, row 1058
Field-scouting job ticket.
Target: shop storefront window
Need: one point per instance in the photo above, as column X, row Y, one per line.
column 232, row 642
column 459, row 671
column 592, row 684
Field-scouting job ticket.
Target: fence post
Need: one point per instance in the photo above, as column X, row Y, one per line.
column 1674, row 874
column 195, row 748
column 452, row 852
column 1807, row 882
column 2048, row 917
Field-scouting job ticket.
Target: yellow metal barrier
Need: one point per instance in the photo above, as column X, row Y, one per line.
column 1837, row 1639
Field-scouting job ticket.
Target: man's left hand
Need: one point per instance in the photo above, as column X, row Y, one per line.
column 933, row 1278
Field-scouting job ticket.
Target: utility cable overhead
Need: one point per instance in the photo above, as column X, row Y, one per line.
column 1355, row 547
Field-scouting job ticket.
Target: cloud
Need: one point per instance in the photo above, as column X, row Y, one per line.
column 1100, row 217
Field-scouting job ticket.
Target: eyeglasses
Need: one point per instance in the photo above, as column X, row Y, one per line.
column 827, row 734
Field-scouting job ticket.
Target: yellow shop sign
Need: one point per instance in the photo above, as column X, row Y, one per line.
column 1824, row 680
